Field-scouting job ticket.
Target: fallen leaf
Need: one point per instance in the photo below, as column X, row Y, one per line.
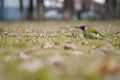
column 21, row 30
column 56, row 43
column 104, row 66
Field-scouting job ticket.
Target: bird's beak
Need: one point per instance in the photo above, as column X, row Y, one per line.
column 76, row 27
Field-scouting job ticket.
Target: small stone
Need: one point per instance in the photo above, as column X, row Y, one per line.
column 23, row 55
column 27, row 31
column 69, row 46
column 47, row 45
column 84, row 42
column 43, row 35
column 17, row 41
column 77, row 52
column 81, row 36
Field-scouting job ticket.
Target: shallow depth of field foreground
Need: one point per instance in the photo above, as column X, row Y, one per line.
column 58, row 51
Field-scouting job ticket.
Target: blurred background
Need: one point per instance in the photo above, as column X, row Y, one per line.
column 15, row 10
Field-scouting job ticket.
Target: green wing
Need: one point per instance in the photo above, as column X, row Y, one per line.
column 94, row 31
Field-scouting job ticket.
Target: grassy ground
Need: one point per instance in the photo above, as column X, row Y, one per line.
column 58, row 51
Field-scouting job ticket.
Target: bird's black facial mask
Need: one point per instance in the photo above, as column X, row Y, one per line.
column 82, row 28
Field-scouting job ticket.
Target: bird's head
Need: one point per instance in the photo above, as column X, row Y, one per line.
column 82, row 27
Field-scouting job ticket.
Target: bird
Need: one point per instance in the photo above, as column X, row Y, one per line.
column 89, row 32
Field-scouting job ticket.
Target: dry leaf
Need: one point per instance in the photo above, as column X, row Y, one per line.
column 105, row 66
column 21, row 30
column 57, row 43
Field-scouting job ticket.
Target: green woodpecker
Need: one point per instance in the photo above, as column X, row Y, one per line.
column 90, row 32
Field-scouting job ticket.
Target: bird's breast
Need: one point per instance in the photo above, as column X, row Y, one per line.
column 90, row 35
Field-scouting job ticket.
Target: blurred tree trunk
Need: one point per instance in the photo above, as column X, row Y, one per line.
column 40, row 7
column 21, row 9
column 114, row 4
column 30, row 15
column 111, row 8
column 68, row 9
